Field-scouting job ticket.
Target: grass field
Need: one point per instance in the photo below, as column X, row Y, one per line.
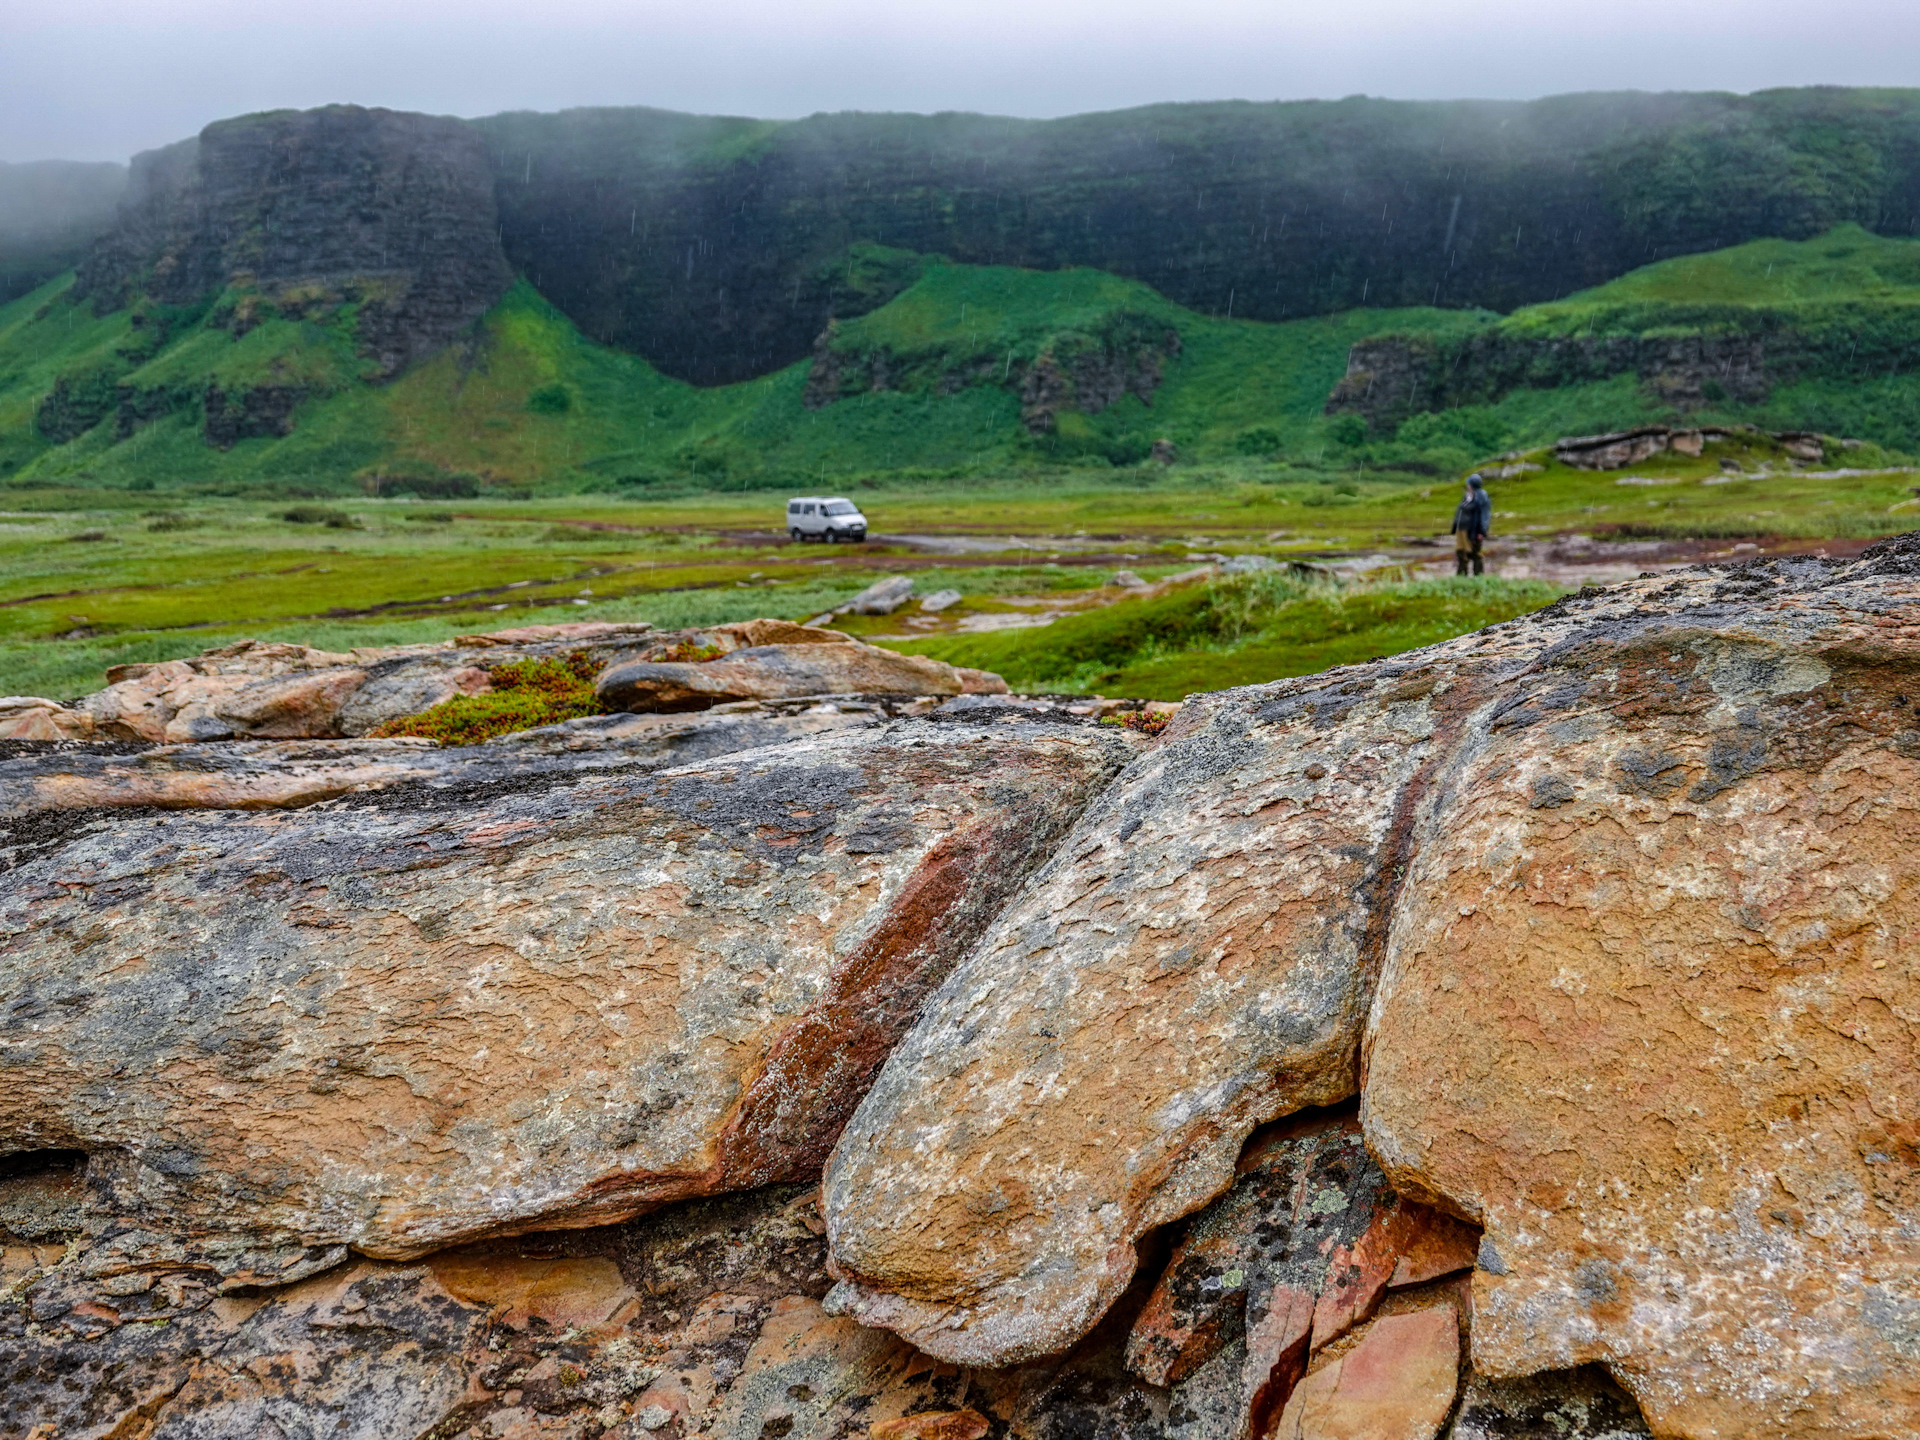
column 89, row 579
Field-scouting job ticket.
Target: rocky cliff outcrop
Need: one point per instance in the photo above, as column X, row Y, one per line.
column 1512, row 1037
column 389, row 213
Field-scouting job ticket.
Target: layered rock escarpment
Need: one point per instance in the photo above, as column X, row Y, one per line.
column 1513, row 1036
column 390, row 212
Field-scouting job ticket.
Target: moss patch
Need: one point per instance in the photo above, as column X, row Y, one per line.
column 525, row 693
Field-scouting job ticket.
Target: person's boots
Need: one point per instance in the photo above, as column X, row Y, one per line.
column 1460, row 562
column 1479, row 568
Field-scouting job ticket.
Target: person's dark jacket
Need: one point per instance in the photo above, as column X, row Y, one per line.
column 1474, row 515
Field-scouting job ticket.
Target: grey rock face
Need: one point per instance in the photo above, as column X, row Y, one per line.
column 392, row 210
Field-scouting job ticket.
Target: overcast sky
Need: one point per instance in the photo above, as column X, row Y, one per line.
column 100, row 79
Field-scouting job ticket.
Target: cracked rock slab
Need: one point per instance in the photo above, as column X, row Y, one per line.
column 1193, row 963
column 415, row 1017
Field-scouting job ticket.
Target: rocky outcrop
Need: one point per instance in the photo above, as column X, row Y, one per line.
column 1089, row 371
column 618, row 991
column 1224, row 905
column 252, row 690
column 1194, row 963
column 781, row 672
column 1375, row 1053
column 387, row 212
column 282, row 774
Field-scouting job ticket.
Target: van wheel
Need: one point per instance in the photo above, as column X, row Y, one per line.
column 795, row 535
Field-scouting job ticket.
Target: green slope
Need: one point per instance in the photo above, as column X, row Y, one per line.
column 1826, row 333
column 529, row 403
column 968, row 371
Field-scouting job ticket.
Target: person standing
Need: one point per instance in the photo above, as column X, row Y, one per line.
column 1472, row 524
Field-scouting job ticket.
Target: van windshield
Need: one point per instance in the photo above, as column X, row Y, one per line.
column 841, row 507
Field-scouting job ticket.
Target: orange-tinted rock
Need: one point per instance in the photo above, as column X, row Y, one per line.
column 1651, row 1010
column 775, row 672
column 933, row 1425
column 1439, row 1245
column 414, row 1017
column 29, row 717
column 1397, row 1381
column 564, row 1293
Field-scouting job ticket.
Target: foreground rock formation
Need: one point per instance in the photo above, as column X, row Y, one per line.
column 1513, row 1037
column 618, row 991
column 251, row 690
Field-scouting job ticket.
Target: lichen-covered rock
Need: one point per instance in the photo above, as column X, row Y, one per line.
column 778, row 672
column 251, row 689
column 419, row 1015
column 1194, row 963
column 1650, row 1008
column 1578, row 1404
column 1307, row 1245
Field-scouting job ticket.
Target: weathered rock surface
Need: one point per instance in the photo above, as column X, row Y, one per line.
column 1195, row 962
column 779, row 672
column 252, row 690
column 701, row 1319
column 417, row 1016
column 1555, row 1405
column 1678, row 808
column 1650, row 1009
column 270, row 774
column 277, row 691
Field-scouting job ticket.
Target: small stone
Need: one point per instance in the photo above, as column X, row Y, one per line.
column 1396, row 1382
column 654, row 1417
column 940, row 600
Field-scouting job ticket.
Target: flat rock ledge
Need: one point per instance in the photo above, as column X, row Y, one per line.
column 1512, row 1038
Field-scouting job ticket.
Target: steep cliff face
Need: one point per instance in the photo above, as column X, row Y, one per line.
column 717, row 248
column 388, row 216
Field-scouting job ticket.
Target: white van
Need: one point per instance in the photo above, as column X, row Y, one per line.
column 812, row 517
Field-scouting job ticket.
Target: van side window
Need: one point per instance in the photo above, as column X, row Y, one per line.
column 809, row 510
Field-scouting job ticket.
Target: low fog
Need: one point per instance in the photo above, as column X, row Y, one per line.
column 100, row 79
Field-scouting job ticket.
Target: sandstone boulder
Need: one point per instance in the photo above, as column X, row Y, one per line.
column 783, row 671
column 415, row 1016
column 31, row 717
column 1649, row 1010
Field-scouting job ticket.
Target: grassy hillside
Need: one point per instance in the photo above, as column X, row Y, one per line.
column 970, row 371
column 123, row 400
column 1820, row 334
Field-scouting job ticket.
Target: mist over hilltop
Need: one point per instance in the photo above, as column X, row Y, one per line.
column 719, row 248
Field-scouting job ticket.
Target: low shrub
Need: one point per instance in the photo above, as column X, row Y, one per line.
column 525, row 693
column 320, row 515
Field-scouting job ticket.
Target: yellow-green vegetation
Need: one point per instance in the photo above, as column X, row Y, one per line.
column 1813, row 335
column 525, row 693
column 171, row 575
column 1238, row 631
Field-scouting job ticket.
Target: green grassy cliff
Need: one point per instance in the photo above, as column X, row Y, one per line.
column 968, row 370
